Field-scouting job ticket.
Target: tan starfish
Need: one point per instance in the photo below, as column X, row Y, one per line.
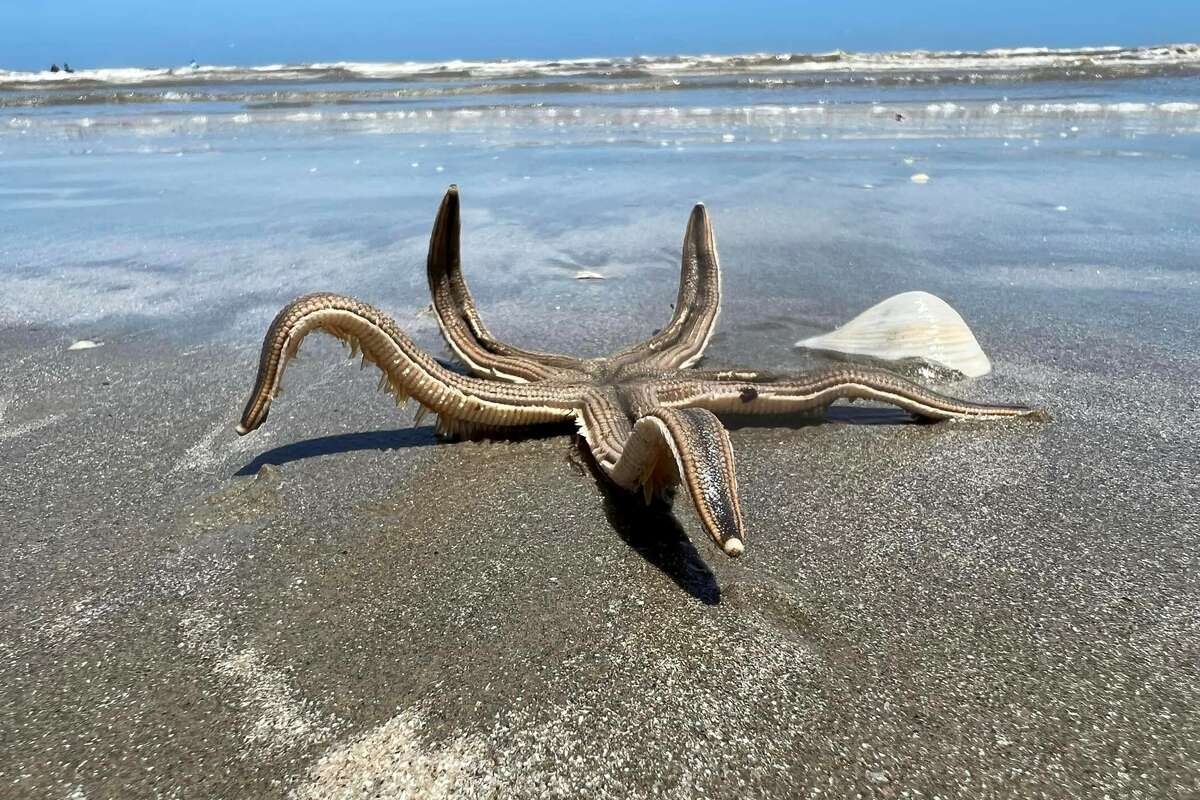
column 648, row 419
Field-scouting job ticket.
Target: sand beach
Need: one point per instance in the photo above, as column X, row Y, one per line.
column 340, row 606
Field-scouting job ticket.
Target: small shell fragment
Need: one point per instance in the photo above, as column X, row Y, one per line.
column 920, row 177
column 588, row 275
column 912, row 325
column 85, row 344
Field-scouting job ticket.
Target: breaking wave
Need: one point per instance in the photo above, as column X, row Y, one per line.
column 600, row 74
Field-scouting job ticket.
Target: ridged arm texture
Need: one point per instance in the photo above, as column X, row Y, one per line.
column 462, row 326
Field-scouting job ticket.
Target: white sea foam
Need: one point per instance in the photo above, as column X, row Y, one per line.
column 1095, row 59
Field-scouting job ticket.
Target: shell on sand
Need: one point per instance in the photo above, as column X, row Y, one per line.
column 906, row 326
column 85, row 344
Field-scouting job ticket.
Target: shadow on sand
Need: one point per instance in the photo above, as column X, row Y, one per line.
column 342, row 443
column 651, row 530
column 840, row 414
column 656, row 535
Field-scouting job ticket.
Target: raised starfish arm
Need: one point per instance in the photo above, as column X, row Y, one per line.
column 664, row 447
column 682, row 342
column 459, row 319
column 462, row 402
column 751, row 392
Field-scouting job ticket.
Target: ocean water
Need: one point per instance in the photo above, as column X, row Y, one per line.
column 132, row 199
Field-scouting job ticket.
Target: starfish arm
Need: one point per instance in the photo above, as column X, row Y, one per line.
column 682, row 342
column 751, row 392
column 408, row 371
column 459, row 320
column 664, row 447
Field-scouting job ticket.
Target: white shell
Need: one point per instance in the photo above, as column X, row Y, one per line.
column 84, row 344
column 588, row 275
column 905, row 326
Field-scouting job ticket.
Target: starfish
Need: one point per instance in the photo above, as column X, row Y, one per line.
column 649, row 419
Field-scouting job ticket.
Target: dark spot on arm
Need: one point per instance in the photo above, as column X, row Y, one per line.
column 748, row 394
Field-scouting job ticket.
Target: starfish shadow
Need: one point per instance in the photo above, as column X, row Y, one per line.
column 842, row 414
column 654, row 533
column 651, row 530
column 396, row 439
column 342, row 443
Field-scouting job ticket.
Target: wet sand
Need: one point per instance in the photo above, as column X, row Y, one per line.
column 339, row 606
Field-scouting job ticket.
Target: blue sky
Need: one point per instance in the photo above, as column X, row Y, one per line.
column 89, row 33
